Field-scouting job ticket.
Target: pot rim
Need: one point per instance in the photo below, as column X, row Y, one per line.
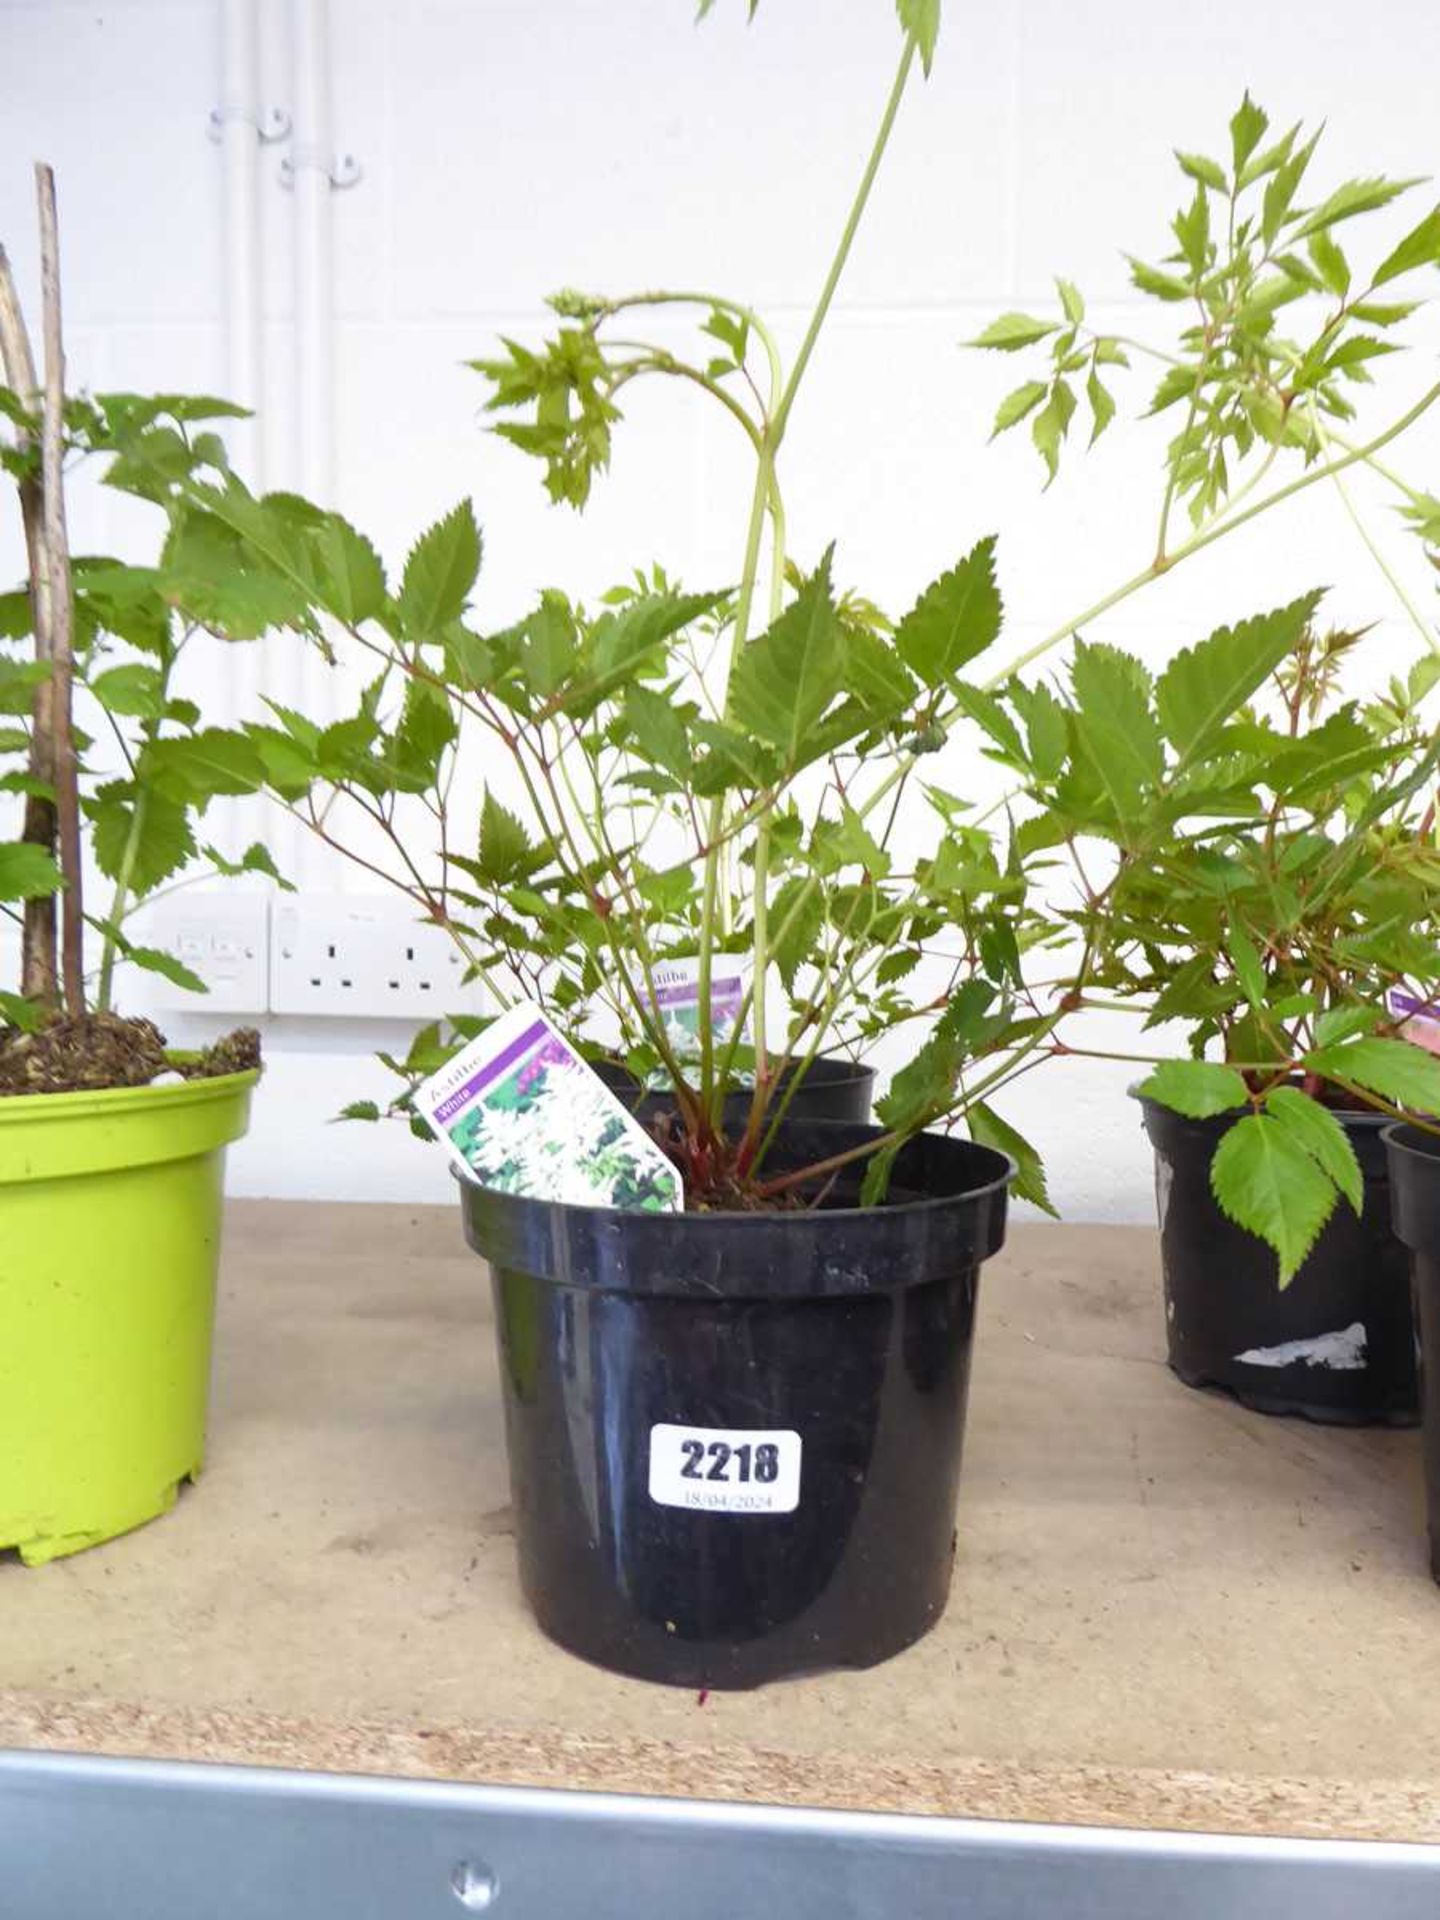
column 837, row 1068
column 89, row 1102
column 1414, row 1147
column 1348, row 1116
column 635, row 1216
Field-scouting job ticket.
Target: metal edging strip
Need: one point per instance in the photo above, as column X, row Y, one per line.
column 114, row 1839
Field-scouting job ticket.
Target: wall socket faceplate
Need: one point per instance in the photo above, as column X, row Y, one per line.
column 351, row 956
column 223, row 937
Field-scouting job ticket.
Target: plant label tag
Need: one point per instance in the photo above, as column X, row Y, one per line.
column 725, row 1470
column 520, row 1111
column 677, row 1000
column 1421, row 1017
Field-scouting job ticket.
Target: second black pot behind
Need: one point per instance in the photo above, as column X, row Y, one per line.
column 831, row 1090
column 1337, row 1344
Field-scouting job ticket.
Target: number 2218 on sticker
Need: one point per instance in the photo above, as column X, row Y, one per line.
column 725, row 1470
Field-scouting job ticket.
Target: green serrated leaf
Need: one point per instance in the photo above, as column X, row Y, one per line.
column 349, row 576
column 359, row 1110
column 155, row 846
column 1330, row 261
column 848, row 842
column 956, row 618
column 133, row 690
column 1045, row 729
column 1012, row 331
column 193, row 767
column 1049, row 426
column 156, row 960
column 785, row 680
column 875, row 676
column 921, row 20
column 1071, row 300
column 547, row 642
column 1197, row 1088
column 1354, row 197
column 1102, row 405
column 1384, row 313
column 16, row 618
column 1337, row 1024
column 1281, row 189
column 125, row 601
column 1395, row 1069
column 1210, row 173
column 504, row 844
column 987, row 1127
column 797, row 913
column 26, row 1015
column 925, row 1086
column 1017, row 404
column 1419, row 248
column 1246, row 961
column 440, row 573
column 1115, row 728
column 1266, row 1182
column 657, row 730
column 218, row 574
column 26, row 872
column 1247, row 129
column 1315, row 1128
column 1205, row 684
column 18, row 681
column 1164, row 286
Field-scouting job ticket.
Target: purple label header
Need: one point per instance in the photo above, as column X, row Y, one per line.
column 1407, row 1003
column 491, row 1071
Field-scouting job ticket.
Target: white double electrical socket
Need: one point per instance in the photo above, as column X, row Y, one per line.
column 222, row 937
column 353, row 956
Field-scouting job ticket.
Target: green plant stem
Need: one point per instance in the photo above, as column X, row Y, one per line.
column 739, row 633
column 650, row 1024
column 823, row 1019
column 760, row 914
column 1217, row 531
column 662, row 298
column 1387, row 473
column 120, row 902
column 601, row 841
column 660, row 362
column 1397, row 586
column 1172, row 479
column 766, row 486
column 847, row 239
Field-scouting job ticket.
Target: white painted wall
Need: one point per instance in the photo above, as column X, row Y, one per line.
column 510, row 148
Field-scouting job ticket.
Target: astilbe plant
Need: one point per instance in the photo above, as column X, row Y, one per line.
column 1252, row 858
column 1265, row 874
column 754, row 769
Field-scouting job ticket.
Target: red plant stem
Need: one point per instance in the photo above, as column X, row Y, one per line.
column 785, row 1181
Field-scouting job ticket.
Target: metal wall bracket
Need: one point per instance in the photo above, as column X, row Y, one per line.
column 134, row 1840
column 271, row 125
column 341, row 169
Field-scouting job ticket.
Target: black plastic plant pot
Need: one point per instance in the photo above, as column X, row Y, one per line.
column 735, row 1438
column 1415, row 1192
column 1336, row 1345
column 830, row 1090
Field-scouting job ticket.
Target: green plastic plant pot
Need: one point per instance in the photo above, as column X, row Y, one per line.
column 110, row 1210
